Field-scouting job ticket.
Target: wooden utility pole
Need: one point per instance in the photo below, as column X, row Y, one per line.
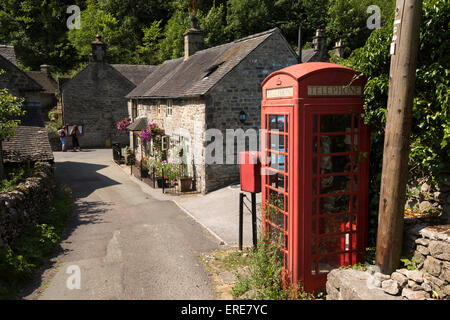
column 397, row 136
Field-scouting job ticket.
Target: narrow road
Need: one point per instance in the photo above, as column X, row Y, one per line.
column 126, row 244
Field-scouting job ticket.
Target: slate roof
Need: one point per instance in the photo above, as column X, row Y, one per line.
column 30, row 141
column 138, row 125
column 135, row 73
column 9, row 53
column 195, row 77
column 15, row 78
column 309, row 55
column 47, row 82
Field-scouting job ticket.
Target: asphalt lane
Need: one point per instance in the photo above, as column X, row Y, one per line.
column 121, row 242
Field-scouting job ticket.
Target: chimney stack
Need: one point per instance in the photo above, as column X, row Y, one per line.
column 319, row 41
column 193, row 39
column 45, row 68
column 339, row 49
column 98, row 50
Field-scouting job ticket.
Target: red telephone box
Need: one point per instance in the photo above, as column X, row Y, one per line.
column 315, row 161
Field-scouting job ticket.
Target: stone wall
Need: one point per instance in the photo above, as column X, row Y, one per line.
column 24, row 204
column 95, row 99
column 429, row 278
column 238, row 91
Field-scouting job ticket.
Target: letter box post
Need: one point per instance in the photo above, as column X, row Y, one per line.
column 250, row 174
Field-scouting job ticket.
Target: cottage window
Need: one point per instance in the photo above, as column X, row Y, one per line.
column 169, row 107
column 134, row 109
column 158, row 107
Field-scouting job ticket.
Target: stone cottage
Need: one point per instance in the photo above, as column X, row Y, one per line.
column 18, row 82
column 217, row 88
column 30, row 142
column 48, row 95
column 94, row 99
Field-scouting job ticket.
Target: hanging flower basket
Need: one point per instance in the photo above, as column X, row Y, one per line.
column 150, row 132
column 122, row 125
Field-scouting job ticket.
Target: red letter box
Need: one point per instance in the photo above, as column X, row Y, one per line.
column 250, row 167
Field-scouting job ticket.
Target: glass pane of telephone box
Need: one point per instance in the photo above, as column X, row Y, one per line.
column 336, row 204
column 335, row 122
column 334, row 184
column 334, row 224
column 335, row 144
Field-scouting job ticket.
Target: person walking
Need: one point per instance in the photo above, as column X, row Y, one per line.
column 75, row 133
column 62, row 133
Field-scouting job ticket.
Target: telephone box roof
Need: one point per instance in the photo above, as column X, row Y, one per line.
column 302, row 70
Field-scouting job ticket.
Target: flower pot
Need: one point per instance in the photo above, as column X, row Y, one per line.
column 129, row 159
column 185, row 184
column 160, row 182
column 144, row 173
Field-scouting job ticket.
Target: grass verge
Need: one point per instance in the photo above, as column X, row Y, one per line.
column 252, row 275
column 19, row 260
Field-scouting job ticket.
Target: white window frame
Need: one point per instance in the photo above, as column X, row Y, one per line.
column 158, row 107
column 169, row 110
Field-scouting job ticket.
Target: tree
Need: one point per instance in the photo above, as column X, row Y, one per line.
column 149, row 50
column 10, row 110
column 213, row 25
column 347, row 20
column 38, row 30
column 118, row 37
column 246, row 17
column 430, row 147
column 172, row 44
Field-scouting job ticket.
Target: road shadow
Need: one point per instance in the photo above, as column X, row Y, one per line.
column 82, row 178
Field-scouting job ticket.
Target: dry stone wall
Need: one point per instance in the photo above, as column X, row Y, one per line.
column 25, row 203
column 429, row 278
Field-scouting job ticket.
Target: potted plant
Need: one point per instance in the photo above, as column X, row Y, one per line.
column 163, row 173
column 184, row 181
column 144, row 167
column 129, row 156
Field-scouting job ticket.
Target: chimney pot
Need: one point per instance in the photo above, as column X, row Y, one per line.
column 339, row 49
column 319, row 40
column 45, row 68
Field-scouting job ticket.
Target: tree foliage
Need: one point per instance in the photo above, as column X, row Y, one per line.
column 347, row 20
column 38, row 31
column 430, row 136
column 143, row 31
column 10, row 110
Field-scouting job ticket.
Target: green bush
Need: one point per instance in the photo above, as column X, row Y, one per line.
column 430, row 134
column 52, row 129
column 19, row 260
